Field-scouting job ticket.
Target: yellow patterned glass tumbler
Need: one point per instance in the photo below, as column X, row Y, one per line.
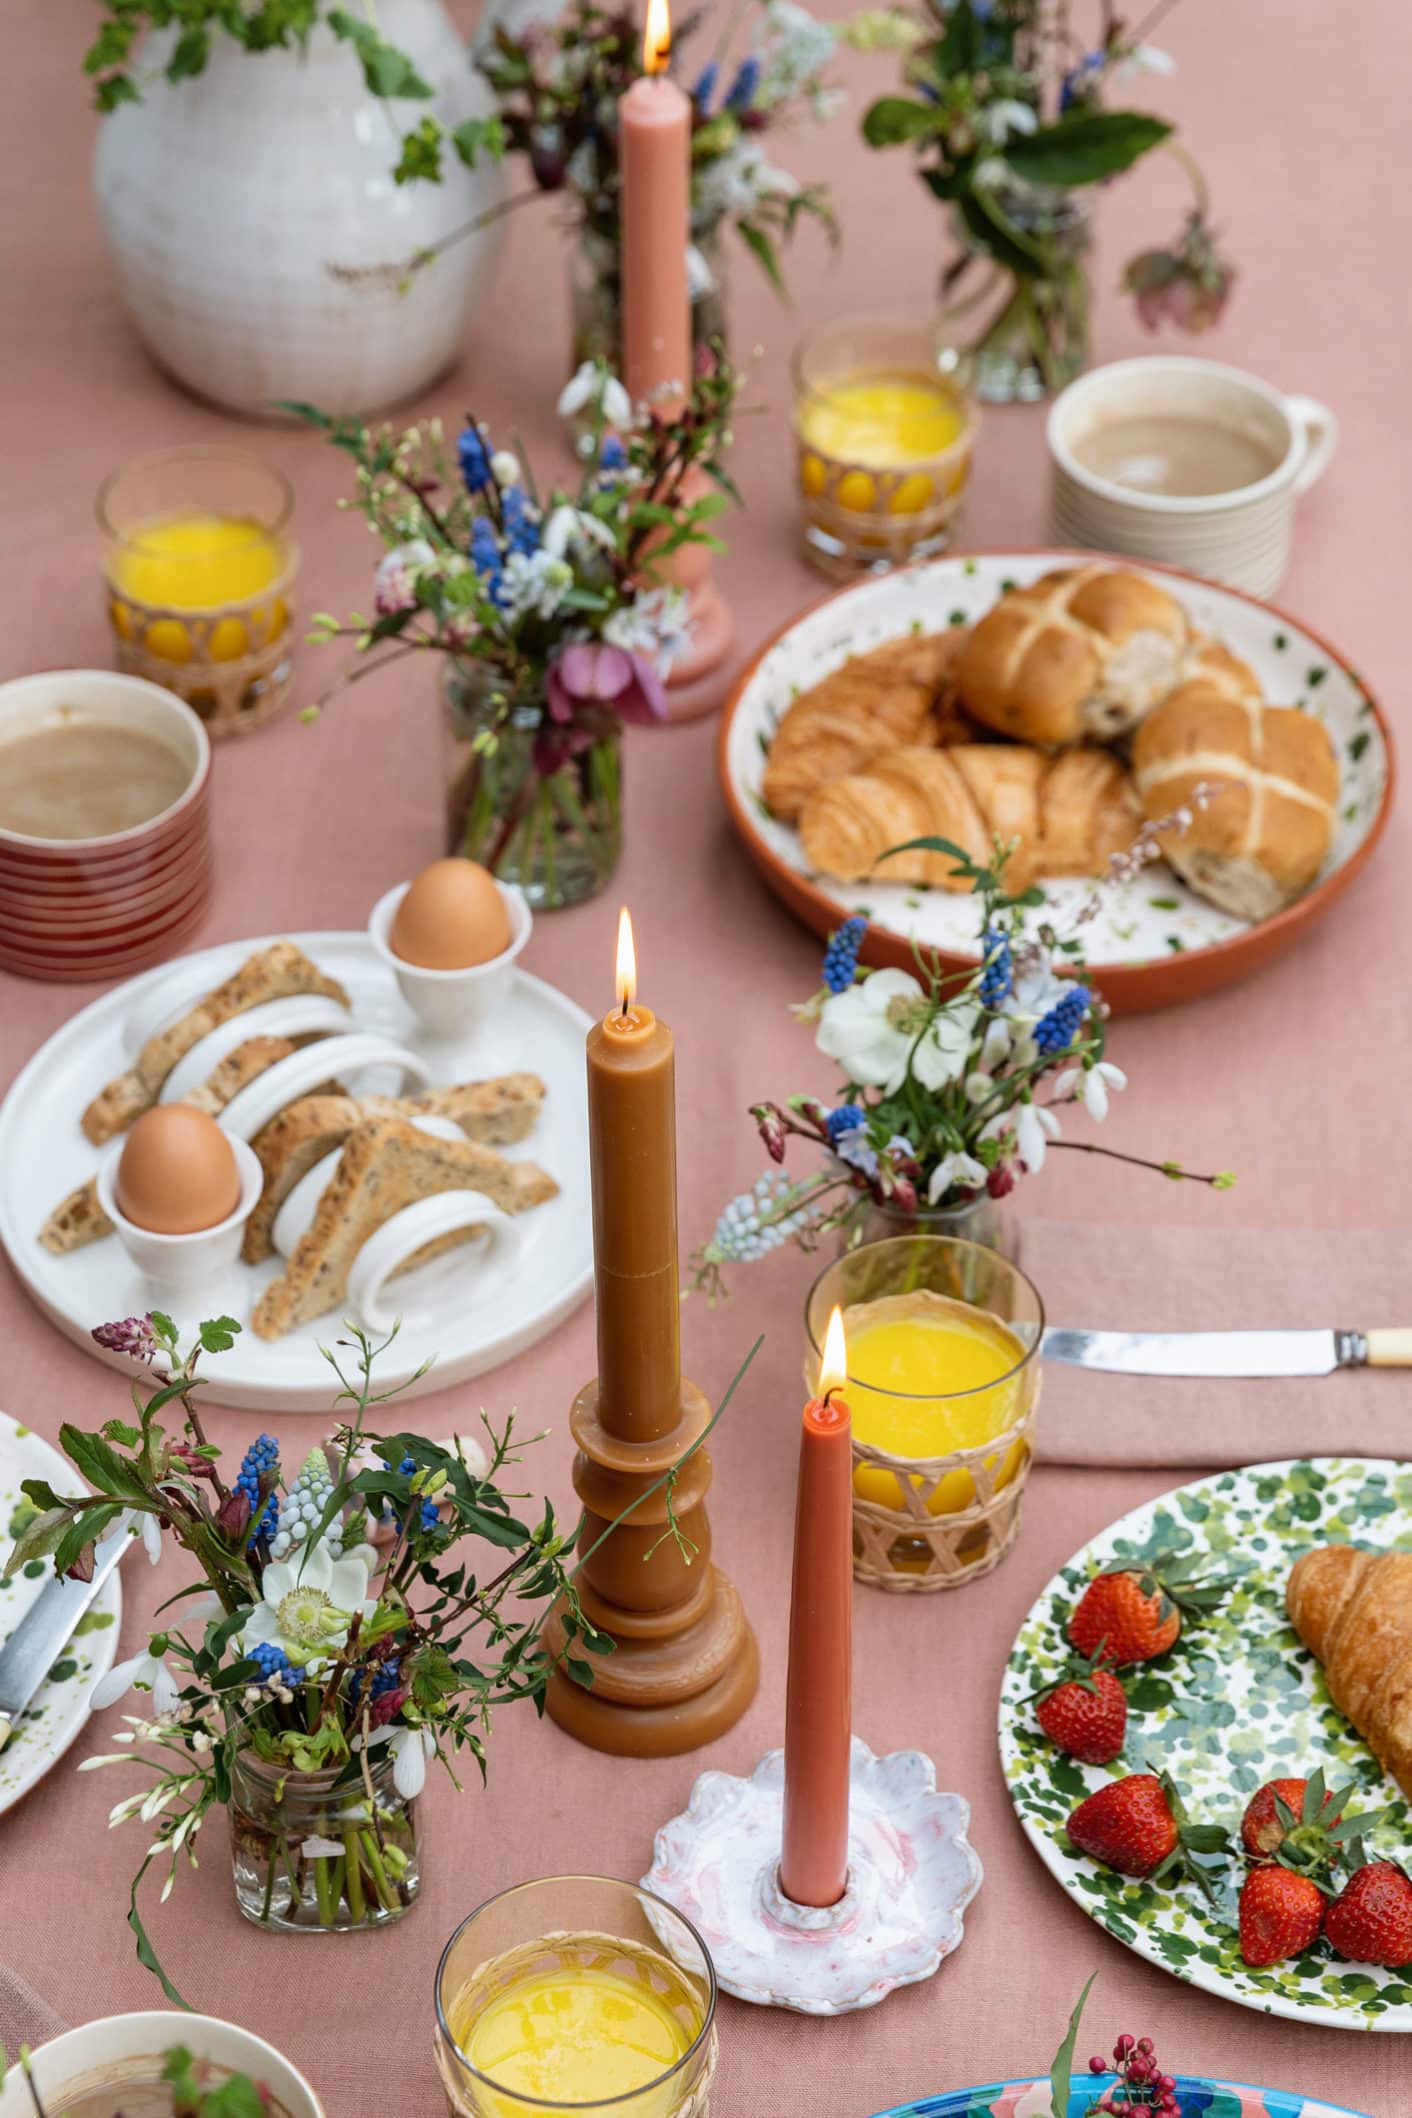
column 884, row 426
column 943, row 1384
column 575, row 1994
column 199, row 571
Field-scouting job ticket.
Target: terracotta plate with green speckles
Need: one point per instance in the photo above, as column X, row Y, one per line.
column 59, row 1709
column 1154, row 941
column 1237, row 1702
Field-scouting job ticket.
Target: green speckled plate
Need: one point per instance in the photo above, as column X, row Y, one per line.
column 1238, row 1701
column 59, row 1708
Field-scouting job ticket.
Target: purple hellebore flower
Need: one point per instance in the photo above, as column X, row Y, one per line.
column 591, row 673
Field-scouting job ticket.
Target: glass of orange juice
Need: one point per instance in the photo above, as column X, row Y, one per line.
column 576, row 1993
column 884, row 425
column 199, row 566
column 943, row 1376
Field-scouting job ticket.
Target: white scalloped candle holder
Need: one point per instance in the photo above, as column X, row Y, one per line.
column 911, row 1875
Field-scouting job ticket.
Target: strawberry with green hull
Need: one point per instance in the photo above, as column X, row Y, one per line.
column 1137, row 1825
column 1305, row 1826
column 1084, row 1710
column 1137, row 1611
column 1370, row 1922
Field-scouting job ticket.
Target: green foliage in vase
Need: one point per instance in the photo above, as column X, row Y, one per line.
column 1006, row 113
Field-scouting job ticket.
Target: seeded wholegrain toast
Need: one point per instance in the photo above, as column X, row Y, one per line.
column 270, row 974
column 386, row 1164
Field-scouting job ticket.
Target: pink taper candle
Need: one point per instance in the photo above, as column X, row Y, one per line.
column 654, row 131
column 818, row 1723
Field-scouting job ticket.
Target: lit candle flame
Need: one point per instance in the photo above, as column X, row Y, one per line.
column 657, row 37
column 833, row 1373
column 627, row 961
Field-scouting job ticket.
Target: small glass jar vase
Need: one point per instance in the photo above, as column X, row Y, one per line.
column 557, row 833
column 313, row 1853
column 1027, row 333
column 596, row 297
column 989, row 1222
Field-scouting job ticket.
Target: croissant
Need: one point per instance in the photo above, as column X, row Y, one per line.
column 1273, row 779
column 876, row 701
column 1065, row 815
column 1086, row 651
column 1354, row 1611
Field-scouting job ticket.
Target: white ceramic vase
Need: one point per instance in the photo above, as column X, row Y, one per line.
column 246, row 213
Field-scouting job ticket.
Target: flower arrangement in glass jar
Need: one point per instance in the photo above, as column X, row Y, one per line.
column 558, row 84
column 338, row 1636
column 1006, row 114
column 554, row 616
column 953, row 1082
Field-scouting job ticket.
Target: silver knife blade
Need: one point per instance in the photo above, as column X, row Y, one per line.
column 47, row 1627
column 1207, row 1353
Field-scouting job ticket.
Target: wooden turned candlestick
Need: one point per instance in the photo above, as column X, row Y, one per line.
column 685, row 1665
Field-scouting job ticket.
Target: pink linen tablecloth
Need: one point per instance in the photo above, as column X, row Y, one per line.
column 1294, row 1080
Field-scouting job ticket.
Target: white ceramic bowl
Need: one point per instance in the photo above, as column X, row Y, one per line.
column 1241, row 537
column 195, row 1262
column 452, row 1003
column 109, row 2053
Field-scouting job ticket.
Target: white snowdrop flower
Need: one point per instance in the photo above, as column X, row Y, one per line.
column 960, row 1170
column 997, row 121
column 411, row 1747
column 146, row 1672
column 996, row 1044
column 592, row 386
column 151, row 1528
column 505, row 467
column 1144, row 59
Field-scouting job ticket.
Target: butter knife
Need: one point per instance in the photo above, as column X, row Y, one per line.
column 46, row 1629
column 1229, row 1353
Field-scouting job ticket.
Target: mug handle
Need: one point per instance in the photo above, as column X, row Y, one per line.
column 407, row 1232
column 1319, row 427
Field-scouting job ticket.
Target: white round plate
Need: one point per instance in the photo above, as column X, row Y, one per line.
column 44, row 1155
column 1238, row 1701
column 1151, row 918
column 59, row 1708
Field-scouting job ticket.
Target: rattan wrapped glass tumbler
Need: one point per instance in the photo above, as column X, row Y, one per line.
column 884, row 425
column 943, row 1386
column 199, row 569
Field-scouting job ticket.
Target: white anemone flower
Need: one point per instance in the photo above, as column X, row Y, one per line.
column 1089, row 1085
column 958, row 1169
column 146, row 1672
column 874, row 1031
column 592, row 386
column 308, row 1605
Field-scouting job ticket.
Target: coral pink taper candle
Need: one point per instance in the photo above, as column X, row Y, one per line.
column 818, row 1723
column 654, row 131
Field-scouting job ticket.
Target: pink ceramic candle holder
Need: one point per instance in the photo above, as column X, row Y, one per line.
column 911, row 1875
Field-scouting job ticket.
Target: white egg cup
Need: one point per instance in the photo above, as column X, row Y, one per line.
column 390, row 1247
column 297, row 1015
column 195, row 1262
column 452, row 1003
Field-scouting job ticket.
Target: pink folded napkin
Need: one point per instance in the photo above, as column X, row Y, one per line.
column 1158, row 1278
column 24, row 2018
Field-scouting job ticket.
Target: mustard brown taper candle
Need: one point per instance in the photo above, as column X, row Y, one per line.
column 818, row 1727
column 633, row 1150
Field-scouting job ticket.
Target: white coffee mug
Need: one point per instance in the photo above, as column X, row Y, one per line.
column 1240, row 537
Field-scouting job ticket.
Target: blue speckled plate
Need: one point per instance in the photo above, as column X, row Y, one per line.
column 1238, row 1701
column 1200, row 2098
column 59, row 1708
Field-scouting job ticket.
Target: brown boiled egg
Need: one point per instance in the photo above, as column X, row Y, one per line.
column 177, row 1172
column 451, row 918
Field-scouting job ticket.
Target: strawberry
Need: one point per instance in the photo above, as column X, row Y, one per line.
column 1135, row 1613
column 1280, row 1914
column 1370, row 1922
column 1307, row 1828
column 1084, row 1709
column 1137, row 1826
